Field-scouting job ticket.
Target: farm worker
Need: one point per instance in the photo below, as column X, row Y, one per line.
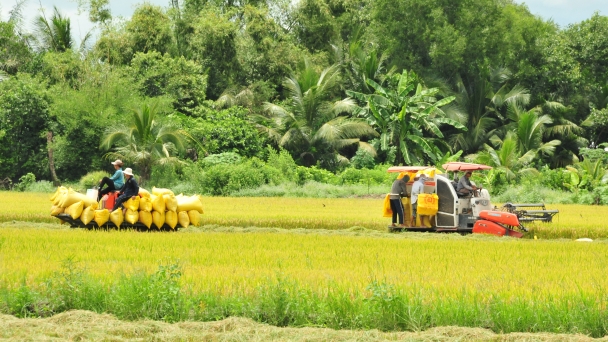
column 398, row 190
column 464, row 186
column 130, row 189
column 113, row 183
column 416, row 190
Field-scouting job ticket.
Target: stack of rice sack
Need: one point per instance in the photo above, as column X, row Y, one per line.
column 171, row 209
column 74, row 204
column 159, row 208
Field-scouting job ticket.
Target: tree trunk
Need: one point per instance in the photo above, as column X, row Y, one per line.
column 49, row 144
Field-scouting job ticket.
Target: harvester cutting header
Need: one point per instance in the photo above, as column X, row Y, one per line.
column 446, row 206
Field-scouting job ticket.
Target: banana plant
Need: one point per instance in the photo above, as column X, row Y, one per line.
column 586, row 174
column 407, row 116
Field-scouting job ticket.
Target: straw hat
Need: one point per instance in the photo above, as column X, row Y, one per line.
column 117, row 162
column 128, row 171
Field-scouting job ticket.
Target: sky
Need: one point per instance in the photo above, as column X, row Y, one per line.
column 562, row 12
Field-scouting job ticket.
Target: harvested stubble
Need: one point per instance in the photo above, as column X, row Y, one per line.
column 88, row 326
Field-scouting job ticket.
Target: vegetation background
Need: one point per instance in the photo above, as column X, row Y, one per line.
column 322, row 92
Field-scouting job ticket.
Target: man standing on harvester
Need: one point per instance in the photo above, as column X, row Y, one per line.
column 130, row 189
column 417, row 188
column 398, row 190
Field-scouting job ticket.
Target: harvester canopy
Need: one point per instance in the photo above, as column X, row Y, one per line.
column 460, row 166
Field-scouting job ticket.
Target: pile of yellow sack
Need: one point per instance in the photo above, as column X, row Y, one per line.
column 159, row 208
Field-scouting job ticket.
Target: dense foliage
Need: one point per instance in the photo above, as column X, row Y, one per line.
column 339, row 85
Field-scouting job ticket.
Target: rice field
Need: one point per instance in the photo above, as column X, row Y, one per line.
column 343, row 271
column 573, row 221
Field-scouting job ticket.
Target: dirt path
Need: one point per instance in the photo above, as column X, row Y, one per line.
column 89, row 326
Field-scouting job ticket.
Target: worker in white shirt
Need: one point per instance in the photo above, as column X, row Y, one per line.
column 417, row 188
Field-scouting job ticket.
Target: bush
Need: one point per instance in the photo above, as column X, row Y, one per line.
column 244, row 176
column 215, row 181
column 92, row 178
column 363, row 160
column 283, row 162
column 41, row 186
column 221, row 158
column 25, row 181
column 534, row 193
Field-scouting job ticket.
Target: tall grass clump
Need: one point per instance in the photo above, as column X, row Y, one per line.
column 284, row 302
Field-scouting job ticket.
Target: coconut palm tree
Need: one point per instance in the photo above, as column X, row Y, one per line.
column 309, row 124
column 145, row 142
column 481, row 103
column 507, row 157
column 56, row 34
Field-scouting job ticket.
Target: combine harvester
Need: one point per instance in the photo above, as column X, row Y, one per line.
column 443, row 210
column 161, row 210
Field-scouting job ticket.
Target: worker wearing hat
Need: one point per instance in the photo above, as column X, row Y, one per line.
column 113, row 183
column 130, row 189
column 417, row 188
column 464, row 186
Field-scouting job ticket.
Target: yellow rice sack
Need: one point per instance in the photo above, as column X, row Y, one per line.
column 428, row 204
column 132, row 203
column 158, row 218
column 59, row 197
column 170, row 202
column 59, row 191
column 407, row 208
column 101, row 216
column 195, row 217
column 145, row 217
column 158, row 203
column 144, row 193
column 131, row 216
column 75, row 209
column 183, row 219
column 187, row 203
column 117, row 217
column 160, row 191
column 56, row 210
column 171, row 219
column 72, row 197
column 88, row 214
column 386, row 207
column 145, row 203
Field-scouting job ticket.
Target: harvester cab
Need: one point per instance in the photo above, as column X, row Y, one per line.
column 442, row 209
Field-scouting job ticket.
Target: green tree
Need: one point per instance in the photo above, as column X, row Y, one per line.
column 104, row 96
column 145, row 142
column 150, row 30
column 214, row 47
column 182, row 80
column 25, row 120
column 312, row 126
column 315, row 26
column 407, row 116
column 507, row 157
column 223, row 131
column 266, row 53
column 15, row 49
column 114, row 46
column 481, row 105
column 54, row 34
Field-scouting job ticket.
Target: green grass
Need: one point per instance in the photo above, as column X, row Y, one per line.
column 283, row 302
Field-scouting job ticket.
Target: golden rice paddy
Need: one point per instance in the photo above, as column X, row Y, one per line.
column 573, row 221
column 229, row 262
